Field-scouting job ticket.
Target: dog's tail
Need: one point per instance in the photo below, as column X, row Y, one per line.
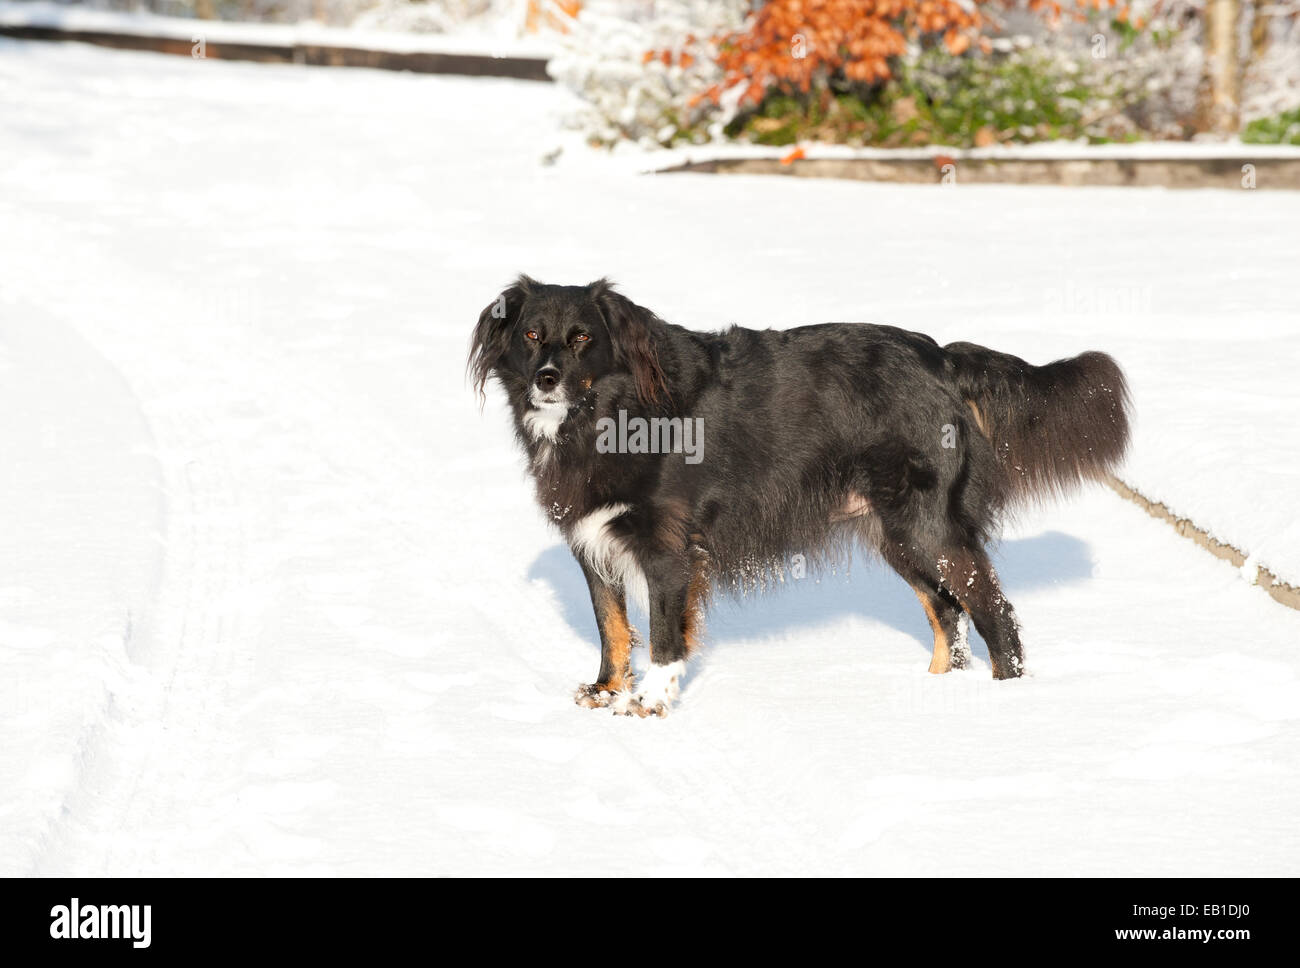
column 1052, row 427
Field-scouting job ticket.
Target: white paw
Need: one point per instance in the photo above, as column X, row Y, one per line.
column 654, row 694
column 595, row 696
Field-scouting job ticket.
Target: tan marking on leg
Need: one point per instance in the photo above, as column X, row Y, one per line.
column 697, row 593
column 620, row 640
column 618, row 633
column 941, row 659
column 618, row 637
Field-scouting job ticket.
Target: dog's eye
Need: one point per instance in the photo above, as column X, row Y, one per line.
column 581, row 338
column 531, row 334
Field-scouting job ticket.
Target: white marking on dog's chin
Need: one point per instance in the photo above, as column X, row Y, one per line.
column 607, row 554
column 657, row 690
column 548, row 415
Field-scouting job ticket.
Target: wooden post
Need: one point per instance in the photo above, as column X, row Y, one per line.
column 1222, row 90
column 1259, row 27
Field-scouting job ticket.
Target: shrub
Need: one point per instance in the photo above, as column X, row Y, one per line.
column 1026, row 94
column 793, row 45
column 640, row 78
column 1283, row 129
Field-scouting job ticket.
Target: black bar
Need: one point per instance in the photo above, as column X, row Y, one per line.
column 993, row 917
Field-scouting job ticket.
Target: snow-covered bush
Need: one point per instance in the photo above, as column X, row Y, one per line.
column 1019, row 91
column 431, row 17
column 1271, row 83
column 1164, row 62
column 1152, row 75
column 642, row 68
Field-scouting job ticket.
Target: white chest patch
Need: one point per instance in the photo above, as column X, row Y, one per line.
column 607, row 554
column 545, row 421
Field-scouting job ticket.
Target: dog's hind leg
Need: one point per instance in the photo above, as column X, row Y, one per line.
column 616, row 639
column 968, row 574
column 947, row 621
column 962, row 574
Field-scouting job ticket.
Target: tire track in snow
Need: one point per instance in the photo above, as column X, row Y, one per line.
column 167, row 721
column 84, row 566
column 171, row 759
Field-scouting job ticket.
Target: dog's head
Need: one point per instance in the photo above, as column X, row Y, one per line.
column 551, row 344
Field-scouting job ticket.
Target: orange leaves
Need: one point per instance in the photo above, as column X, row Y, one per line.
column 668, row 58
column 796, row 43
column 1050, row 9
column 557, row 18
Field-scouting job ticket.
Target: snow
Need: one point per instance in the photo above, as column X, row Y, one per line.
column 494, row 36
column 1226, row 453
column 1035, row 151
column 276, row 597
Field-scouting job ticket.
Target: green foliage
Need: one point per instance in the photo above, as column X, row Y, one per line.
column 1126, row 32
column 962, row 101
column 1281, row 130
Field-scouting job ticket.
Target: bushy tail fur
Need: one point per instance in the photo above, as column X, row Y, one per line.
column 1052, row 427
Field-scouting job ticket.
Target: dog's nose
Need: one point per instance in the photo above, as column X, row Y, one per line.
column 547, row 379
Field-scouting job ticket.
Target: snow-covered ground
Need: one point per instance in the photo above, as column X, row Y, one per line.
column 274, row 596
column 1034, row 151
column 499, row 36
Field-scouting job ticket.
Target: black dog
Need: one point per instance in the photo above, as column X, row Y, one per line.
column 675, row 461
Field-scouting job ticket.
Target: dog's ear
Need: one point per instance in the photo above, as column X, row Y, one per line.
column 491, row 337
column 632, row 329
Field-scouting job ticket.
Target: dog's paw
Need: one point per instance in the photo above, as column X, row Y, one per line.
column 654, row 695
column 626, row 704
column 595, row 695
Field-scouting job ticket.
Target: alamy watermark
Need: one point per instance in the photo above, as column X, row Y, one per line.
column 655, row 435
column 74, row 921
column 1099, row 299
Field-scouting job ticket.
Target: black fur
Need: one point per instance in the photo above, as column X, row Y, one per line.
column 814, row 438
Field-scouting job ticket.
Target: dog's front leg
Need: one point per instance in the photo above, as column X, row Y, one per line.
column 673, row 616
column 616, row 638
